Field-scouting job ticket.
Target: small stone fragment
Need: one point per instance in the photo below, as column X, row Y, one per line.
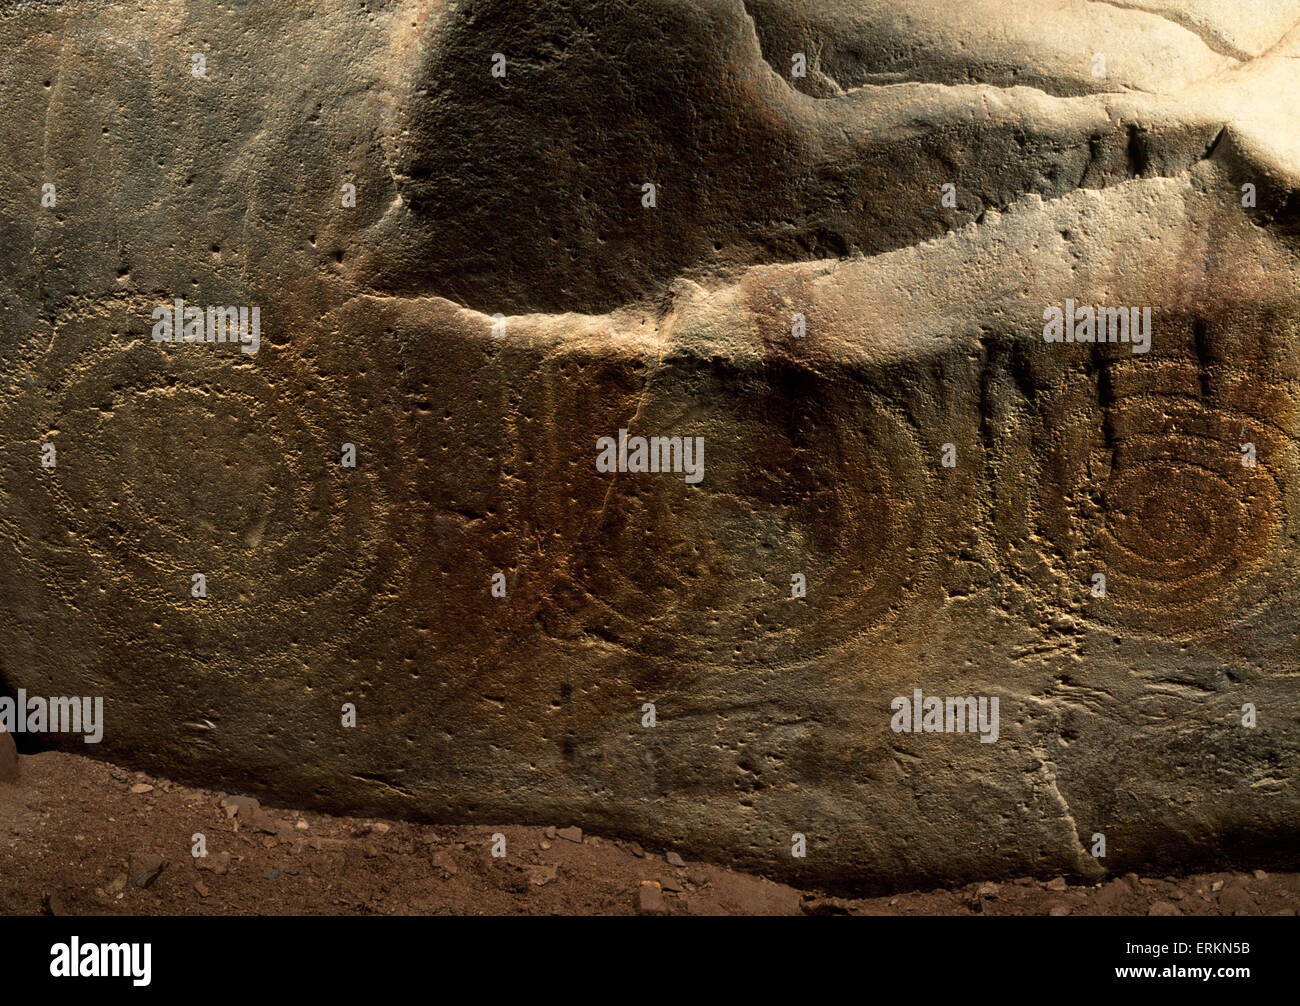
column 145, row 867
column 541, row 875
column 1236, row 900
column 263, row 822
column 319, row 865
column 239, row 805
column 649, row 899
column 217, row 863
column 441, row 858
column 674, row 860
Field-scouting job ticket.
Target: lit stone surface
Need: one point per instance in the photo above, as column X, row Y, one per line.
column 775, row 196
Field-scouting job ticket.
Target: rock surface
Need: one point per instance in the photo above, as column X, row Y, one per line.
column 8, row 758
column 499, row 297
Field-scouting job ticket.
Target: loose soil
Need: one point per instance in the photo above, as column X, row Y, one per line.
column 84, row 837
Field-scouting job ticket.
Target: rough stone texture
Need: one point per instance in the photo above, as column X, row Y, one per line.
column 8, row 758
column 820, row 195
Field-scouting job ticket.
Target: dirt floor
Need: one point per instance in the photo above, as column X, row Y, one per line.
column 83, row 837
